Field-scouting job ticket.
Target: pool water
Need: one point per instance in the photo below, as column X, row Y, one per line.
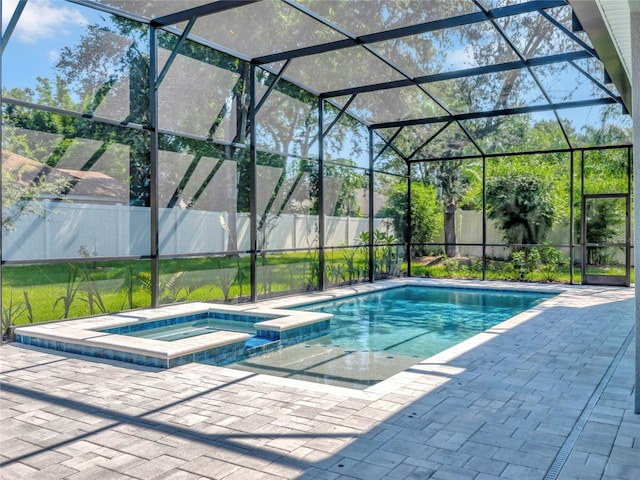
column 376, row 335
column 169, row 333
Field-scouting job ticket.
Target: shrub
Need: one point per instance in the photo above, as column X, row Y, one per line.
column 546, row 261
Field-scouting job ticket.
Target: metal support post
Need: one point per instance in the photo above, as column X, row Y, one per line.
column 153, row 166
column 583, row 225
column 635, row 67
column 408, row 220
column 371, row 207
column 12, row 24
column 253, row 183
column 571, row 216
column 321, row 193
column 484, row 217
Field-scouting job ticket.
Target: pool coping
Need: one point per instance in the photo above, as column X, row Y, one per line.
column 84, row 336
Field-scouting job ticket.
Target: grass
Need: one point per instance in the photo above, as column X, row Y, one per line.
column 92, row 288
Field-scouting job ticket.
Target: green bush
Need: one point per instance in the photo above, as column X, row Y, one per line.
column 426, row 213
column 544, row 263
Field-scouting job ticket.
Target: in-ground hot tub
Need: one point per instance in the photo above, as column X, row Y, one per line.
column 169, row 336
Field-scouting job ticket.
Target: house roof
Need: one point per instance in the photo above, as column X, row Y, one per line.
column 86, row 184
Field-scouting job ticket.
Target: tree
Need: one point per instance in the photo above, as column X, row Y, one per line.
column 342, row 183
column 454, row 186
column 425, row 212
column 521, row 207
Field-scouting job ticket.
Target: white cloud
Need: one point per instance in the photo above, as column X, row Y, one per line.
column 462, row 58
column 53, row 56
column 8, row 7
column 41, row 19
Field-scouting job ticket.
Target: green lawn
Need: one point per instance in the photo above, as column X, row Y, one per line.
column 36, row 293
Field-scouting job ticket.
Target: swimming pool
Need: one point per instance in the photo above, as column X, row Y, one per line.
column 376, row 335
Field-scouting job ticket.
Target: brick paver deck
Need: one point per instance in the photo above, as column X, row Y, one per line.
column 547, row 394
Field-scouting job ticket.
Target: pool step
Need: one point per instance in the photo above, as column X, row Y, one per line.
column 259, row 345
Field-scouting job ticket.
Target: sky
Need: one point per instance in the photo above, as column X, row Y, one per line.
column 45, row 27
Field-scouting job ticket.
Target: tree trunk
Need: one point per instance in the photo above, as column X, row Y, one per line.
column 451, row 248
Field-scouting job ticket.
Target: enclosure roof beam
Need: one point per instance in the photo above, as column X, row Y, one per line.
column 420, row 28
column 569, row 33
column 272, row 86
column 339, row 115
column 428, row 141
column 596, row 82
column 12, row 24
column 497, row 113
column 386, row 61
column 468, row 72
column 552, row 151
column 387, row 144
column 200, row 11
column 174, row 52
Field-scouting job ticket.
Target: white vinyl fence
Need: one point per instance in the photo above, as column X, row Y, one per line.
column 72, row 230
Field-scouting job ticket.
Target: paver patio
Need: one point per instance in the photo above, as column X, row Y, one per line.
column 547, row 394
